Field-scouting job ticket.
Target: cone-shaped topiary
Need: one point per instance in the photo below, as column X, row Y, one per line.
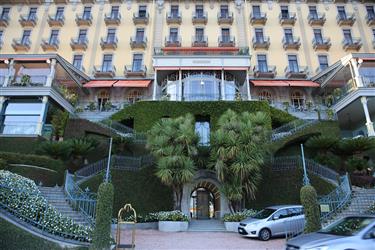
column 102, row 232
column 309, row 201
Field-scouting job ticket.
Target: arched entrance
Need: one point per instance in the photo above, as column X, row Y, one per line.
column 205, row 201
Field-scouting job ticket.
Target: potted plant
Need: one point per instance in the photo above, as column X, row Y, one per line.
column 309, row 105
column 107, row 106
column 330, row 114
column 337, row 93
column 232, row 221
column 149, row 221
column 286, row 106
column 25, row 80
column 92, row 106
column 172, row 221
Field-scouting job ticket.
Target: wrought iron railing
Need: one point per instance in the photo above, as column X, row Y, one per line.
column 124, row 131
column 291, row 128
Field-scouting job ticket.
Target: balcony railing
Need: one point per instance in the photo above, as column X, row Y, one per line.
column 4, row 21
column 199, row 41
column 35, row 81
column 56, row 21
column 259, row 18
column 348, row 19
column 323, row 44
column 138, row 42
column 172, row 41
column 141, row 19
column 291, row 43
column 318, row 19
column 239, row 51
column 200, row 18
column 79, row 43
column 21, row 45
column 225, row 18
column 370, row 19
column 84, row 19
column 107, row 43
column 289, row 19
column 104, row 71
column 28, row 21
column 293, row 72
column 112, row 19
column 174, row 18
column 352, row 44
column 264, row 72
column 132, row 70
column 50, row 45
column 226, row 41
column 261, row 43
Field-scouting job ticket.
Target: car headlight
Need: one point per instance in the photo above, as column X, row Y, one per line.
column 318, row 248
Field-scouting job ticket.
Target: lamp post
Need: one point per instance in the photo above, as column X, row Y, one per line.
column 109, row 160
column 306, row 180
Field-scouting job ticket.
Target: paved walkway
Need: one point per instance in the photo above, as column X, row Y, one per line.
column 155, row 240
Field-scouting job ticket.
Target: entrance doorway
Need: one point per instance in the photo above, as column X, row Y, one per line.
column 205, row 201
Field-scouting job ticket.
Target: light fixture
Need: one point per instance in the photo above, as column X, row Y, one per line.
column 360, row 61
column 202, row 82
column 48, row 61
column 6, row 61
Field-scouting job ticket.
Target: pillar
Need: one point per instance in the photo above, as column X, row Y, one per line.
column 42, row 117
column 9, row 74
column 369, row 123
column 179, row 85
column 222, row 85
column 2, row 101
column 154, row 86
column 357, row 77
column 248, row 85
column 51, row 73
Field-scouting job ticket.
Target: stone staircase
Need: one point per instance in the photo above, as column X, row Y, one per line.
column 206, row 226
column 361, row 201
column 56, row 198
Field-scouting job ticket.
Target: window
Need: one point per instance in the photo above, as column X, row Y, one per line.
column 59, row 13
column 262, row 63
column 77, row 61
column 288, row 36
column 341, row 11
column 142, row 11
column 199, row 34
column 139, row 35
column 82, row 36
column 284, row 12
column 370, row 12
column 115, row 12
column 111, row 35
column 137, row 62
column 225, row 35
column 293, row 63
column 348, row 36
column 174, row 11
column 107, row 63
column 103, row 98
column 373, row 33
column 202, row 128
column 1, row 37
column 224, row 11
column 281, row 214
column 5, row 13
column 318, row 36
column 323, row 62
column 32, row 14
column 199, row 11
column 173, row 34
column 298, row 100
column 53, row 39
column 265, row 95
column 26, row 37
column 86, row 13
column 259, row 35
column 256, row 11
column 313, row 13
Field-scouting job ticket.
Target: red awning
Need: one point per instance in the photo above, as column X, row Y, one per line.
column 284, row 83
column 303, row 84
column 200, row 68
column 132, row 83
column 99, row 84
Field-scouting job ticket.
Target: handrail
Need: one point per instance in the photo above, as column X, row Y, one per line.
column 290, row 128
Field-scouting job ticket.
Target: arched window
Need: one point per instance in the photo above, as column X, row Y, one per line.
column 103, row 98
column 298, row 100
column 265, row 95
column 133, row 96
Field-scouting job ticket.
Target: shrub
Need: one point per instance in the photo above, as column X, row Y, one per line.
column 280, row 117
column 309, row 201
column 57, row 150
column 355, row 163
column 175, row 215
column 102, row 232
column 3, row 163
column 239, row 216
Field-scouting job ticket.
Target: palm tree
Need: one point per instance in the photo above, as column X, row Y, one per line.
column 238, row 149
column 174, row 143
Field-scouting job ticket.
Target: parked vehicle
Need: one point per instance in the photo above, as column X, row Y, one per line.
column 352, row 232
column 274, row 221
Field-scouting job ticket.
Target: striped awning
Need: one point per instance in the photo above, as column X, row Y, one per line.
column 99, row 84
column 284, row 83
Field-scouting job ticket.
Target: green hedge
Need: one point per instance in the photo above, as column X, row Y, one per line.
column 309, row 200
column 146, row 113
column 26, row 145
column 280, row 117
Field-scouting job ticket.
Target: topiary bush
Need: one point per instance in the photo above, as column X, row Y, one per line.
column 309, row 201
column 102, row 232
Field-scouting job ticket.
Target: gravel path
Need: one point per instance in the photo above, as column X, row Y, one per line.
column 153, row 239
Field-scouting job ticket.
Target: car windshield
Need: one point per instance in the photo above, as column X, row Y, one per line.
column 265, row 213
column 348, row 226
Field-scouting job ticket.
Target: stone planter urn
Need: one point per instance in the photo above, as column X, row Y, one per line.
column 173, row 226
column 231, row 226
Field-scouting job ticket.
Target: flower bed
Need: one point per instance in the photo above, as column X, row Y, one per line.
column 21, row 197
column 238, row 216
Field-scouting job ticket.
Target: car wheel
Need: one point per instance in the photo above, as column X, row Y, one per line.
column 264, row 234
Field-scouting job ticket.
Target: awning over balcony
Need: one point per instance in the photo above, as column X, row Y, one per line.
column 132, row 83
column 200, row 68
column 284, row 83
column 99, row 84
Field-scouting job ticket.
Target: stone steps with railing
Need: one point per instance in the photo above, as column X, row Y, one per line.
column 291, row 128
column 123, row 131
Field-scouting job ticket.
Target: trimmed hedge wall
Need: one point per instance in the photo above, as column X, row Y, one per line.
column 146, row 113
column 26, row 145
column 280, row 117
column 309, row 200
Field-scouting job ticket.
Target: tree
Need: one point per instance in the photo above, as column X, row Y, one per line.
column 59, row 121
column 174, row 143
column 309, row 201
column 57, row 150
column 238, row 148
column 81, row 147
column 322, row 143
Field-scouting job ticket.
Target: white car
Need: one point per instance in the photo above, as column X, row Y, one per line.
column 274, row 221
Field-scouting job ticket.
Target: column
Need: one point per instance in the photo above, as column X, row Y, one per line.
column 222, row 85
column 9, row 74
column 369, row 124
column 43, row 112
column 357, row 78
column 179, row 85
column 248, row 85
column 155, row 85
column 2, row 101
column 51, row 73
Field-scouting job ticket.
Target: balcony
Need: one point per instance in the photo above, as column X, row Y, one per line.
column 115, row 1
column 174, row 18
column 61, row 1
column 340, row 1
column 226, row 41
column 200, row 18
column 264, row 72
column 323, row 44
column 138, row 42
column 27, row 21
column 199, row 41
column 261, row 43
column 79, row 44
column 50, row 45
column 84, row 20
column 289, row 19
column 370, row 19
column 373, row 43
column 56, row 21
column 31, row 81
column 111, row 19
column 107, row 71
column 353, row 44
column 260, row 18
column 172, row 41
column 299, row 73
column 312, row 1
column 291, row 43
column 106, row 43
column 87, row 1
column 318, row 19
column 283, row 1
column 4, row 21
column 225, row 18
column 140, row 19
column 133, row 71
column 19, row 45
column 347, row 20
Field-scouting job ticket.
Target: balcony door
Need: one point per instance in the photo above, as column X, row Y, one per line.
column 59, row 13
column 262, row 63
column 225, row 35
column 313, row 13
column 139, row 35
column 293, row 63
column 26, row 37
column 348, row 36
column 137, row 62
column 111, row 35
column 32, row 14
column 115, row 12
column 86, row 13
column 259, row 38
column 54, row 37
column 341, row 11
column 224, row 11
column 173, row 35
column 256, row 11
column 199, row 35
column 318, row 36
column 107, row 63
column 288, row 36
